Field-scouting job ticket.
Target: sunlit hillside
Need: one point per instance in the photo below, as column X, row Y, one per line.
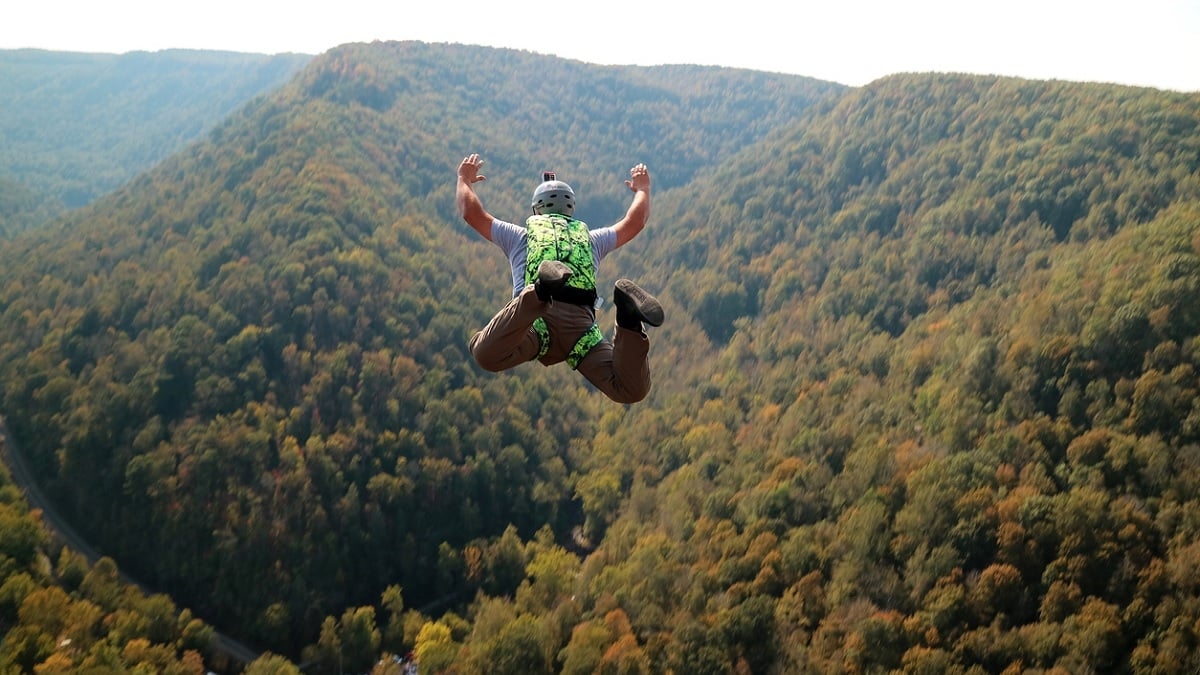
column 925, row 398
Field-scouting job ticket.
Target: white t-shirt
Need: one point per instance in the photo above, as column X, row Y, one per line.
column 511, row 239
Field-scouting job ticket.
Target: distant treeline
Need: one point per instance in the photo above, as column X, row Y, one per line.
column 77, row 126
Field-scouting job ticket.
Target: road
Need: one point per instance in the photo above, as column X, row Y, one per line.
column 62, row 530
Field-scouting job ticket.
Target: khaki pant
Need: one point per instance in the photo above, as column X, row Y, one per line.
column 618, row 368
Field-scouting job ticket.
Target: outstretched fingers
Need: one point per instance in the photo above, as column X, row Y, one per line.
column 639, row 178
column 468, row 169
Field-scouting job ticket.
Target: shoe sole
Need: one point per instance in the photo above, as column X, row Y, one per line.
column 646, row 305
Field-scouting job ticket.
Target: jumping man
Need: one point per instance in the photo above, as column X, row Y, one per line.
column 552, row 315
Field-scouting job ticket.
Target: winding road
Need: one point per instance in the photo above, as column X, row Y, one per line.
column 63, row 531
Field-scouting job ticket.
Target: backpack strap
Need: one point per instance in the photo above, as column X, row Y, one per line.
column 590, row 338
column 543, row 333
column 584, row 345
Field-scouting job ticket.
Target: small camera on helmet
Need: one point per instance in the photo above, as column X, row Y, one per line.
column 548, row 176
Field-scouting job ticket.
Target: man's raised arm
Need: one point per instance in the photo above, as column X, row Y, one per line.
column 639, row 211
column 469, row 205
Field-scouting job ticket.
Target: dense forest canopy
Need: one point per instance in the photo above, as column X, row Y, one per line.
column 76, row 126
column 62, row 614
column 275, row 300
column 925, row 400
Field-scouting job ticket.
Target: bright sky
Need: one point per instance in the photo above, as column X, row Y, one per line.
column 1153, row 43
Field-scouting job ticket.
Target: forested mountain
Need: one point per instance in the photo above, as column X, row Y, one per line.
column 938, row 406
column 76, row 126
column 22, row 208
column 72, row 616
column 244, row 375
column 925, row 401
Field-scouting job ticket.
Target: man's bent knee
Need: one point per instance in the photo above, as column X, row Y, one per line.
column 488, row 362
column 629, row 396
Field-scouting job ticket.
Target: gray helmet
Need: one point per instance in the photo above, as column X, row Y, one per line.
column 553, row 196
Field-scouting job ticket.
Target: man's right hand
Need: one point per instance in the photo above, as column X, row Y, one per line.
column 468, row 170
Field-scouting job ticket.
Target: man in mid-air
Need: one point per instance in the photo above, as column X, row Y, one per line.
column 552, row 315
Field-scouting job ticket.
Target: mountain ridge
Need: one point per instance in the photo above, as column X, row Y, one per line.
column 861, row 306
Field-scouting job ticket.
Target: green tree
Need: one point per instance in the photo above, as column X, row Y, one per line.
column 435, row 649
column 520, row 647
column 359, row 638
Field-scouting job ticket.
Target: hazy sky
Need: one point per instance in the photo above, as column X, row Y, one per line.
column 1152, row 43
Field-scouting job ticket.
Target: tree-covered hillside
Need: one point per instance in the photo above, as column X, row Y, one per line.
column 244, row 375
column 936, row 409
column 61, row 614
column 76, row 126
column 925, row 401
column 22, row 208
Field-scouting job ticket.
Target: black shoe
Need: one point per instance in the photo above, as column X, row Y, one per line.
column 551, row 276
column 635, row 305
